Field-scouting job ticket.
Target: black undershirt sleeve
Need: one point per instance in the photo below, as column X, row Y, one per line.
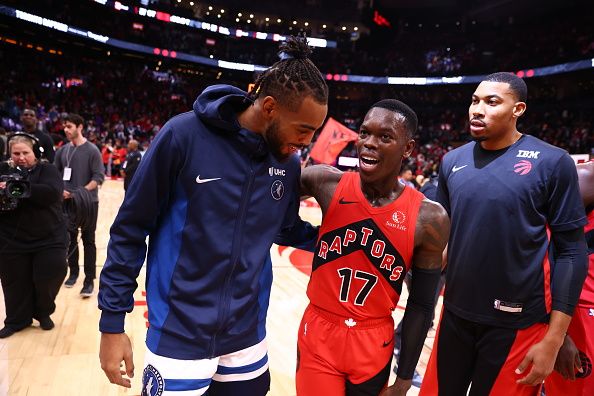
column 417, row 318
column 569, row 270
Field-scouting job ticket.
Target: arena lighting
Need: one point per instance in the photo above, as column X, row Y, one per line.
column 474, row 79
column 165, row 17
column 380, row 20
column 119, row 6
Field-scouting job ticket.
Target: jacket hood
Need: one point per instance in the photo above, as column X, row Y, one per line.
column 218, row 106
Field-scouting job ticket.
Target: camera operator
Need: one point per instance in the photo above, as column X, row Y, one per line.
column 33, row 235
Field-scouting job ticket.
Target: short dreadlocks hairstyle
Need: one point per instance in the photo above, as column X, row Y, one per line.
column 292, row 78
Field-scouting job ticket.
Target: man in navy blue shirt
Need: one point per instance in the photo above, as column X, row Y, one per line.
column 506, row 306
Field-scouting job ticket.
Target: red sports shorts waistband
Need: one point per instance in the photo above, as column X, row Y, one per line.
column 351, row 322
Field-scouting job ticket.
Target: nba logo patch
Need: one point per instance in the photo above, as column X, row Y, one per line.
column 152, row 382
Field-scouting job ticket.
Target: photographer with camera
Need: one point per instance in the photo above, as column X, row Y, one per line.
column 33, row 235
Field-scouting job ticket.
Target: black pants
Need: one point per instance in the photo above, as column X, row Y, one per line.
column 31, row 282
column 90, row 250
column 480, row 357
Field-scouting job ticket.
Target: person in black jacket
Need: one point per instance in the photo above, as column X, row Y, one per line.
column 132, row 160
column 29, row 121
column 32, row 238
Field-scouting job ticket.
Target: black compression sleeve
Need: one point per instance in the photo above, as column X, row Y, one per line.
column 417, row 318
column 569, row 270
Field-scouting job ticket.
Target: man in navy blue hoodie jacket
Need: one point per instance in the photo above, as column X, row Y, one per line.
column 213, row 191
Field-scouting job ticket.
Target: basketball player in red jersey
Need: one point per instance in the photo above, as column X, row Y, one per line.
column 573, row 369
column 374, row 229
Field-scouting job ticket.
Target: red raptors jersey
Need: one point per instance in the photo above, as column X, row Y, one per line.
column 587, row 296
column 363, row 252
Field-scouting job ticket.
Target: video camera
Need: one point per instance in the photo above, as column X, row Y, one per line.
column 17, row 187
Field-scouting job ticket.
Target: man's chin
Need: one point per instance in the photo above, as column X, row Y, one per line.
column 478, row 138
column 280, row 157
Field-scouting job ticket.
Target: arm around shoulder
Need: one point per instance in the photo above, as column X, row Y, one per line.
column 319, row 181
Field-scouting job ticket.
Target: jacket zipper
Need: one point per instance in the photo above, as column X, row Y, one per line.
column 236, row 250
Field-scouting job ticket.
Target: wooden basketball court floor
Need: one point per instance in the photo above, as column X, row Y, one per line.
column 64, row 361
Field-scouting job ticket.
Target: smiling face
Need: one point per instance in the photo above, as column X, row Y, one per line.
column 493, row 112
column 383, row 143
column 290, row 131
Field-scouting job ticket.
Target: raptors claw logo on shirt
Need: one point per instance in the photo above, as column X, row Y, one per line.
column 523, row 167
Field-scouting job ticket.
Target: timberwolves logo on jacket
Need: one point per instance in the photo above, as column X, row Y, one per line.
column 152, row 382
column 277, row 189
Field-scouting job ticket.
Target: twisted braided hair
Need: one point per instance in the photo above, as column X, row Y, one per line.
column 293, row 78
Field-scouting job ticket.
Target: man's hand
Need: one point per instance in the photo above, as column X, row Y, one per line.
column 399, row 388
column 568, row 360
column 113, row 349
column 66, row 194
column 542, row 358
column 2, row 185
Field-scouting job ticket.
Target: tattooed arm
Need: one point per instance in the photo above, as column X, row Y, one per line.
column 320, row 181
column 431, row 235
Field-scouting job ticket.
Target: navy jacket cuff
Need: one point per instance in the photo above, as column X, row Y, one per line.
column 112, row 322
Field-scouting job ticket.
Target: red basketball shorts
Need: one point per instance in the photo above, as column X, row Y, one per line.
column 338, row 355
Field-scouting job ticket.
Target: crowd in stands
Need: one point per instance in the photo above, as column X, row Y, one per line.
column 432, row 49
column 123, row 100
